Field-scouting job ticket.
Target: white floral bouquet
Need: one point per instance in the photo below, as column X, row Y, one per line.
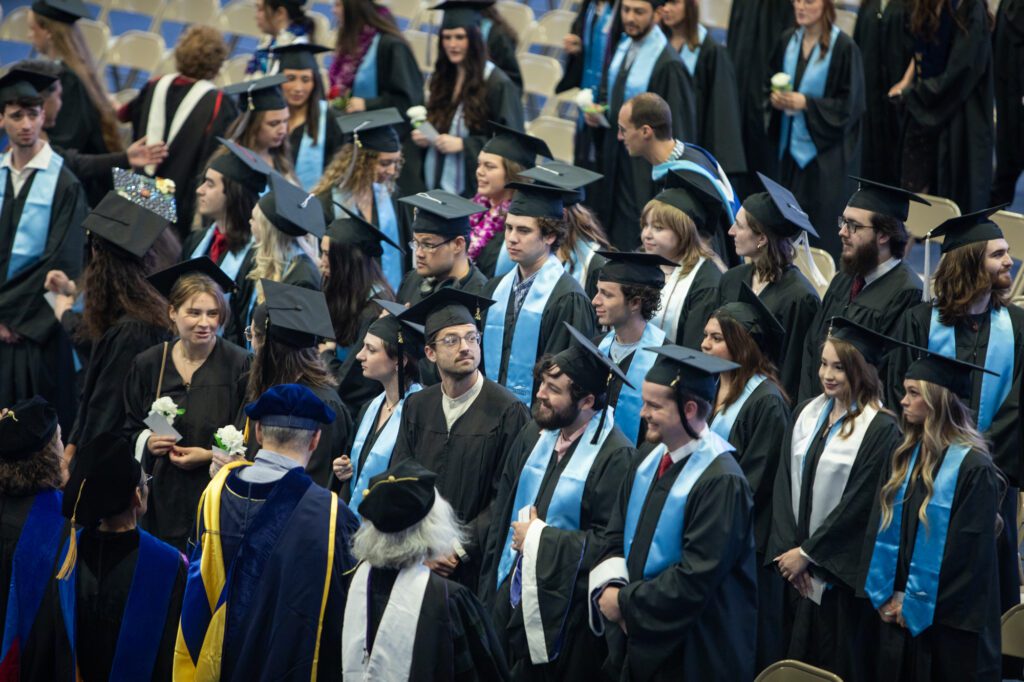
column 781, row 82
column 585, row 101
column 166, row 408
column 229, row 440
column 416, row 115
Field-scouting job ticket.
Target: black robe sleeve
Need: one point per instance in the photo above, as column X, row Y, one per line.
column 334, row 439
column 78, row 121
column 672, row 81
column 476, row 651
column 718, row 107
column 501, row 48
column 796, row 313
column 399, row 81
column 1007, row 55
column 573, row 72
column 701, row 301
column 574, row 308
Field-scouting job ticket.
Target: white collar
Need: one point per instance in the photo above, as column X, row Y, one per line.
column 688, row 449
column 41, row 161
column 467, row 397
column 881, row 270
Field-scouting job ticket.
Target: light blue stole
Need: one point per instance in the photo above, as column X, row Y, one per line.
column 564, row 510
column 630, row 400
column 525, row 332
column 667, row 543
column 579, row 260
column 387, row 222
column 595, row 40
column 309, row 164
column 691, row 55
column 365, row 83
column 722, row 423
column 34, row 224
column 998, row 359
column 379, row 457
column 639, row 76
column 721, row 183
column 795, row 135
column 504, row 264
column 929, row 545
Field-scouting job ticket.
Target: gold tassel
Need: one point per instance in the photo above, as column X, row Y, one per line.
column 72, row 556
column 245, row 432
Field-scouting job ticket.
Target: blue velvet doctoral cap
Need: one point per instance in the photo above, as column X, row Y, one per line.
column 292, row 406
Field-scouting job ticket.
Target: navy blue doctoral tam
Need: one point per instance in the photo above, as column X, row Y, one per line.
column 291, row 406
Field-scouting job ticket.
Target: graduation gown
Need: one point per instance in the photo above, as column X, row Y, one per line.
column 1007, row 56
column 719, row 125
column 301, row 272
column 399, row 80
column 210, row 401
column 879, row 307
column 333, row 140
column 695, row 620
column 41, row 364
column 563, row 561
column 94, row 171
column 354, row 389
column 78, row 121
column 415, row 287
column 468, row 460
column 962, row 643
column 501, row 49
column 834, row 122
column 793, row 301
column 701, row 300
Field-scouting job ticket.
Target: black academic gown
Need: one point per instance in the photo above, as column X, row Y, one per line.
column 962, row 643
column 885, row 50
column 694, row 621
column 565, row 558
column 94, row 171
column 354, row 389
column 701, row 301
column 415, row 287
column 879, row 307
column 468, row 460
column 1007, row 56
column 501, row 49
column 834, row 122
column 210, row 401
column 78, row 121
column 487, row 258
column 40, row 364
column 835, row 635
column 793, row 301
column 399, row 80
column 719, row 124
column 101, row 408
column 567, row 302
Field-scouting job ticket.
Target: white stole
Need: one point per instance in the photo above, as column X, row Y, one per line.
column 156, row 124
column 673, row 295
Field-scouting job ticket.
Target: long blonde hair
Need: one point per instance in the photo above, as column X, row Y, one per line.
column 355, row 179
column 691, row 247
column 273, row 250
column 948, row 422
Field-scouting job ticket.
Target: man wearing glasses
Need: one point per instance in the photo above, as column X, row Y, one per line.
column 460, row 429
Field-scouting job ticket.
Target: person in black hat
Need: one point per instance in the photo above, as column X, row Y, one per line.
column 534, row 298
column 462, row 116
column 462, row 427
column 680, row 534
column 119, row 589
column 403, row 621
column 41, row 204
column 271, row 552
column 828, row 476
column 873, row 287
column 262, row 125
column 769, row 228
column 752, row 412
column 560, row 483
column 204, row 375
column 31, row 528
column 950, row 619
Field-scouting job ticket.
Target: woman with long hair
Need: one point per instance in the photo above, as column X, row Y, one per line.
column 467, row 93
column 933, row 573
column 202, row 374
column 829, row 469
column 284, row 22
column 86, row 121
column 263, row 123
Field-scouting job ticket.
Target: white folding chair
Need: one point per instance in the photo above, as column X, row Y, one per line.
column 97, row 37
column 424, row 48
column 233, row 71
column 135, row 51
column 15, row 27
column 923, row 219
column 519, row 15
column 557, row 132
column 191, row 11
column 846, row 20
column 715, row 13
column 239, row 18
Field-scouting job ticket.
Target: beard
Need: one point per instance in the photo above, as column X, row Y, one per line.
column 1001, row 281
column 862, row 261
column 452, row 369
column 550, row 419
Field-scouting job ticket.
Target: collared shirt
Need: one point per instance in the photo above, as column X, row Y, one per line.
column 41, row 161
column 563, row 444
column 881, row 270
column 677, row 151
column 456, row 407
column 620, row 351
column 688, row 449
column 520, row 288
column 268, row 467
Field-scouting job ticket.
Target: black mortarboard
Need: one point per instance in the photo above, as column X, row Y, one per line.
column 263, row 94
column 352, row 230
column 534, row 200
column 954, row 375
column 406, row 336
column 293, row 315
column 18, row 83
column 447, row 307
column 398, row 498
column 242, row 165
column 751, row 312
column 694, row 195
column 165, row 280
column 516, row 146
column 462, row 13
column 299, row 56
column 292, row 406
column 124, row 224
column 697, row 372
column 291, row 209
column 441, row 213
column 104, row 477
column 633, row 268
column 26, row 428
column 778, row 211
column 373, row 130
column 878, row 198
column 968, row 229
column 572, row 179
column 586, row 365
column 869, row 343
column 64, row 11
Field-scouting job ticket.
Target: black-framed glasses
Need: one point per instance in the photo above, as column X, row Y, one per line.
column 850, row 225
column 429, row 248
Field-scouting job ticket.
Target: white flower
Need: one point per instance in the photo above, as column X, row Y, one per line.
column 781, row 82
column 417, row 114
column 585, row 98
column 167, row 408
column 230, row 440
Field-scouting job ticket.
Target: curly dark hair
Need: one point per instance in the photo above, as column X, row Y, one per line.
column 42, row 471
column 546, row 366
column 650, row 298
column 553, row 226
column 897, row 231
column 200, row 52
column 441, row 100
column 116, row 287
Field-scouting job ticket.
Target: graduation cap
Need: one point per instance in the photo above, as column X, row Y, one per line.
column 447, row 307
column 124, row 224
column 590, row 369
column 165, row 280
column 26, row 428
column 462, row 13
column 262, row 94
column 869, row 343
column 291, row 209
column 399, row 498
column 396, row 331
column 968, row 229
column 778, row 211
column 751, row 312
column 694, row 195
column 533, row 200
column 291, row 406
column 516, row 146
column 155, row 194
column 633, row 268
column 242, row 165
column 373, row 130
column 295, row 316
column 352, row 230
column 21, row 83
column 64, row 11
column 878, row 198
column 571, row 179
column 695, row 371
column 441, row 213
column 950, row 373
column 299, row 56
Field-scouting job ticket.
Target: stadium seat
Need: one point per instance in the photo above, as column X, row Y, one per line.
column 557, row 132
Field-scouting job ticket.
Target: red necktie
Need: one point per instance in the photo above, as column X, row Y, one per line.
column 858, row 285
column 218, row 246
column 665, row 464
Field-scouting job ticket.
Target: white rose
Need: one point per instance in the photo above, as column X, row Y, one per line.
column 165, row 407
column 585, row 98
column 417, row 114
column 781, row 82
column 230, row 440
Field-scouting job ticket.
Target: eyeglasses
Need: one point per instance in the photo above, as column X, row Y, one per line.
column 453, row 340
column 429, row 248
column 850, row 225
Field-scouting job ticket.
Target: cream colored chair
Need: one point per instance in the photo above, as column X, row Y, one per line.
column 324, row 32
column 150, row 8
column 410, row 10
column 715, row 13
column 233, row 71
column 846, row 20
column 540, row 75
column 795, row 671
column 122, row 97
column 136, row 50
column 922, row 219
column 191, row 12
column 15, row 27
column 824, row 262
column 519, row 15
column 1013, row 632
column 239, row 18
column 424, row 49
column 97, row 37
column 548, row 31
column 557, row 132
column 167, row 65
